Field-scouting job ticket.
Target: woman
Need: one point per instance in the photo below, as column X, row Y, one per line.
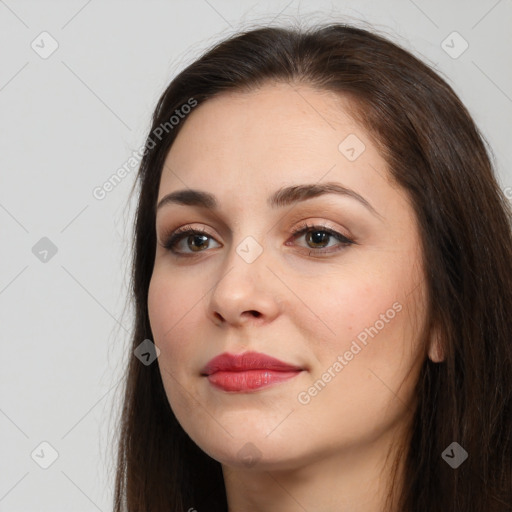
column 323, row 260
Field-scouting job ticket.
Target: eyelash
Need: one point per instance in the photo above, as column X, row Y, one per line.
column 176, row 236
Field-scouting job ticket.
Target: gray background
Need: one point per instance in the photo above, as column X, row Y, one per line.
column 69, row 121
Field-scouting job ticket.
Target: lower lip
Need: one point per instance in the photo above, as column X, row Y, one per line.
column 250, row 379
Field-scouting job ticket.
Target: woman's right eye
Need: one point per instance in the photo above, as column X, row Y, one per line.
column 194, row 239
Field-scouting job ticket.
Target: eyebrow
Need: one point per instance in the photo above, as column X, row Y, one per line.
column 282, row 197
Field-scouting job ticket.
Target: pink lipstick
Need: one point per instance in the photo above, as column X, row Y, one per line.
column 247, row 371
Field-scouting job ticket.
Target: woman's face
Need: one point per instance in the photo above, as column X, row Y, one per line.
column 349, row 316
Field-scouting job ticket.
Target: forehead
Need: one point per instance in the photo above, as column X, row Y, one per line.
column 292, row 113
column 277, row 133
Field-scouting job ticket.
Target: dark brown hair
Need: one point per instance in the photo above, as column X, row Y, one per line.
column 435, row 152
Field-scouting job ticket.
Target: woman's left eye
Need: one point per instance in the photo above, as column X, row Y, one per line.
column 197, row 240
column 319, row 235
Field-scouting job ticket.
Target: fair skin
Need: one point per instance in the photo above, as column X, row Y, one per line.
column 301, row 301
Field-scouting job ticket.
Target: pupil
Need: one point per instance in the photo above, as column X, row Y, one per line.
column 195, row 238
column 318, row 239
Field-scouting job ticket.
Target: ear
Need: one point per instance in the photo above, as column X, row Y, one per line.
column 435, row 350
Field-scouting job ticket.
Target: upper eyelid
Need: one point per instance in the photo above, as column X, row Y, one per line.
column 307, row 224
column 318, row 221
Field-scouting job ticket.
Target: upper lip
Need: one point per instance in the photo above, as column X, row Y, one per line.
column 246, row 361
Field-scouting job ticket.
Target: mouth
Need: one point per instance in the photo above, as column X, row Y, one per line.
column 248, row 371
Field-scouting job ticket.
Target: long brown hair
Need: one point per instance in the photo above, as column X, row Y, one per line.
column 436, row 153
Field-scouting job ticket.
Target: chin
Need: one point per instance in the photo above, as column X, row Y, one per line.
column 251, row 452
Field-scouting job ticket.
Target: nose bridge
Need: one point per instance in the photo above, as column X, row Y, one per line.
column 247, row 255
column 246, row 283
column 245, row 267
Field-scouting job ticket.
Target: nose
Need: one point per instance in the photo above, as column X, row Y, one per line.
column 244, row 293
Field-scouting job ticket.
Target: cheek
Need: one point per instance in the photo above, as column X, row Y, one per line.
column 162, row 300
column 366, row 320
column 357, row 375
column 171, row 314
